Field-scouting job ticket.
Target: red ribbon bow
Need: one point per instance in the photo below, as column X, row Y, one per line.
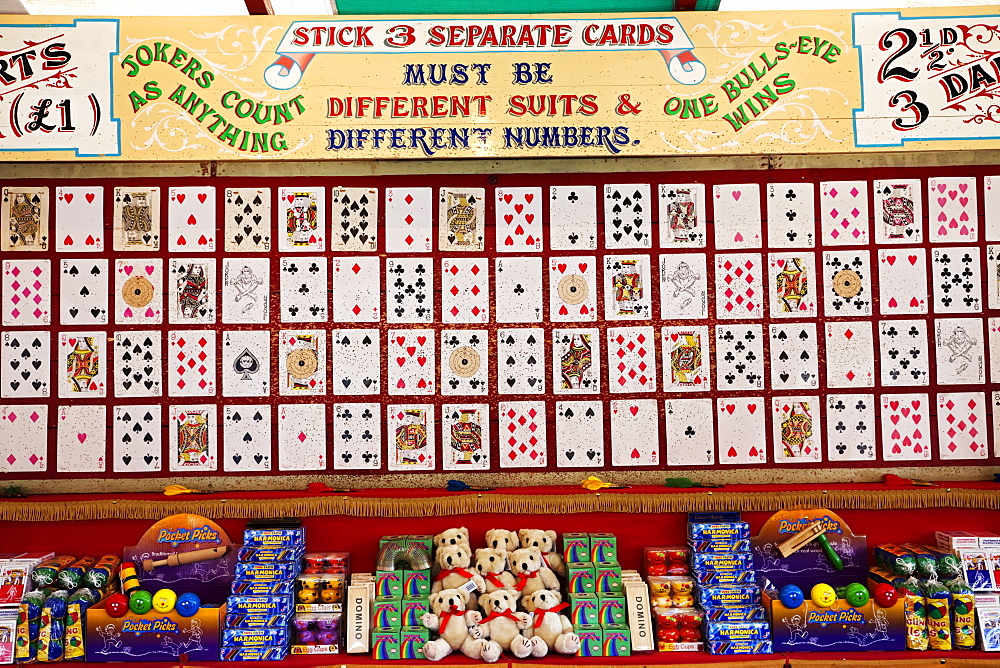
column 461, row 571
column 495, row 581
column 545, row 559
column 503, row 613
column 448, row 614
column 522, row 579
column 540, row 613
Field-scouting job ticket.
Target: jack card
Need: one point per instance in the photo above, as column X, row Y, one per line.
column 357, row 437
column 796, row 429
column 246, row 290
column 137, row 437
column 465, row 434
column 683, row 216
column 24, row 215
column 740, row 426
column 461, row 219
column 627, row 287
column 411, row 437
column 631, row 359
column 899, row 215
column 579, row 434
column 246, row 363
column 137, row 219
column 690, row 432
column 684, row 286
column 248, row 228
column 521, row 361
column 791, row 217
column 850, row 427
column 687, row 359
column 25, row 364
column 573, row 217
column 627, row 208
column 302, row 437
column 138, row 363
column 79, row 219
column 737, row 216
column 522, row 434
column 301, row 220
column 194, row 433
column 635, row 432
column 576, row 361
column 408, row 220
column 81, row 439
column 246, row 437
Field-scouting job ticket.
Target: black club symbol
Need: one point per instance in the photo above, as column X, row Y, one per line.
column 303, row 289
column 689, row 432
column 313, row 268
column 367, row 457
column 841, row 448
column 841, row 427
column 519, row 289
column 791, row 216
column 346, row 457
column 792, row 235
column 367, row 436
column 346, row 436
column 730, row 378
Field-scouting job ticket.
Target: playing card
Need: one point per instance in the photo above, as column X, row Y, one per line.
column 902, row 281
column 791, row 217
column 683, row 286
column 83, row 292
column 83, row 365
column 518, row 289
column 137, row 219
column 302, row 362
column 27, row 292
column 465, row 290
column 25, row 361
column 993, row 274
column 354, row 219
column 739, row 290
column 996, row 423
column 991, row 207
column 518, row 220
column 573, row 217
column 794, row 356
column 356, row 296
column 850, row 359
column 81, row 439
column 79, row 219
column 301, row 220
column 903, row 352
column 409, row 290
column 740, row 426
column 686, row 359
column 357, row 436
column 850, row 427
column 23, row 438
column 576, row 361
column 952, row 212
column 579, row 434
column 465, row 435
column 246, row 290
column 246, row 368
column 993, row 327
column 411, row 437
column 303, row 289
column 24, row 215
column 356, row 361
column 627, row 287
column 138, row 363
column 460, row 219
column 737, row 216
column 191, row 219
column 464, row 362
column 521, row 361
column 408, row 220
column 843, row 207
column 248, row 230
column 793, row 281
column 906, row 427
column 739, row 352
column 682, row 215
column 302, row 437
column 522, row 434
column 847, row 286
column 246, row 438
column 193, row 437
column 796, row 429
column 961, row 422
column 635, row 433
column 572, row 289
column 690, row 433
column 627, row 208
column 137, row 438
column 139, row 292
column 957, row 278
column 192, row 291
column 899, row 216
column 191, row 363
column 411, row 361
column 631, row 359
column 959, row 351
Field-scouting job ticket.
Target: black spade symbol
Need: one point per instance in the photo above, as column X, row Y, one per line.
column 246, row 364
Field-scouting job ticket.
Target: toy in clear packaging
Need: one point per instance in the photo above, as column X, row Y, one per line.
column 926, row 562
column 72, row 576
column 938, row 615
column 895, row 559
column 45, row 573
column 129, row 579
column 914, row 614
column 963, row 614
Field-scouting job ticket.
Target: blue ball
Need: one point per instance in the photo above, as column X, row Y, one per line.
column 791, row 596
column 187, row 604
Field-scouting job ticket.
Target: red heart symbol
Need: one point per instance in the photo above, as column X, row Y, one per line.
column 893, row 405
column 753, row 451
column 530, row 241
column 128, row 269
column 421, row 383
column 72, row 342
column 529, row 196
column 181, row 241
column 941, row 187
column 421, row 361
column 89, row 241
column 964, row 201
column 421, row 340
column 730, row 408
column 90, row 198
column 583, row 267
column 584, row 310
column 914, row 303
column 400, row 340
column 81, row 437
column 941, row 202
column 752, row 408
column 634, row 410
column 518, row 230
column 401, row 384
column 894, row 418
column 180, row 197
column 508, row 219
column 635, row 454
column 905, row 411
column 563, row 310
column 737, row 194
column 312, row 238
column 507, row 198
column 918, row 448
column 69, row 198
column 290, row 198
column 891, row 259
column 894, row 434
column 400, row 361
column 68, row 241
column 952, row 194
column 192, row 220
column 896, row 449
column 732, row 452
column 893, row 303
column 519, row 208
column 529, row 217
column 916, row 418
column 202, row 240
column 410, row 350
column 912, row 259
column 963, row 186
column 674, row 336
column 202, row 197
column 509, row 241
column 561, row 268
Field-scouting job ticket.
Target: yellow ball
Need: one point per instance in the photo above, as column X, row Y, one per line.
column 164, row 600
column 823, row 595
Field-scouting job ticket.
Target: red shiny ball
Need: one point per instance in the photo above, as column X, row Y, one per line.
column 885, row 595
column 656, row 569
column 116, row 605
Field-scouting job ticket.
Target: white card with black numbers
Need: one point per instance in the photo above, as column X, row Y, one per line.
column 25, row 363
column 576, row 361
column 683, row 286
column 690, row 432
column 627, row 208
column 903, row 353
column 191, row 291
column 409, row 290
column 302, row 437
column 957, row 280
column 137, row 443
column 739, row 357
column 353, row 219
column 847, row 283
column 850, row 427
column 849, row 358
column 521, row 361
column 683, row 215
column 357, row 437
column 465, row 437
column 138, row 363
column 573, row 217
column 83, row 292
column 794, row 356
column 627, row 287
column 304, row 295
column 791, row 217
column 248, row 220
column 579, row 434
column 246, row 363
column 518, row 289
column 246, row 290
column 464, row 362
column 356, row 361
column 246, row 437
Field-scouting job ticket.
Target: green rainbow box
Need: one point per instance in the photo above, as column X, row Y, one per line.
column 411, row 642
column 583, row 609
column 385, row 644
column 581, row 578
column 617, row 640
column 591, row 640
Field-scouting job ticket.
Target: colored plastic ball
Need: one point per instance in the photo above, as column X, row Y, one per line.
column 164, row 600
column 885, row 595
column 116, row 605
column 823, row 595
column 656, row 569
column 791, row 596
column 856, row 594
column 188, row 604
column 56, row 606
column 140, row 602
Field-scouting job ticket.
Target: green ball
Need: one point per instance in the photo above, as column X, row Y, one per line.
column 140, row 602
column 856, row 594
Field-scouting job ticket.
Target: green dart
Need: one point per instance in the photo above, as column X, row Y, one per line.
column 687, row 482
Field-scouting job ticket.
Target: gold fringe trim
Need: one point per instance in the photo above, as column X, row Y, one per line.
column 504, row 504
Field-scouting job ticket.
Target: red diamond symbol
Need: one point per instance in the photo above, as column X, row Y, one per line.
column 642, row 366
column 850, row 375
column 454, row 310
column 643, row 379
column 833, row 192
column 621, row 366
column 202, row 342
column 641, row 338
column 11, row 459
column 854, row 192
column 454, row 291
column 950, row 405
column 475, row 270
column 302, row 437
column 202, row 383
column 16, row 271
column 356, row 268
column 180, row 342
column 408, row 240
column 202, row 355
column 12, row 417
column 356, row 309
column 512, row 427
column 622, row 380
column 523, row 448
column 34, row 417
column 408, row 199
column 511, row 413
column 37, row 271
column 476, row 310
column 621, row 353
column 475, row 290
column 512, row 455
column 728, row 265
column 454, row 269
column 849, row 334
column 534, row 454
column 181, row 384
column 421, row 458
column 33, row 459
column 532, row 413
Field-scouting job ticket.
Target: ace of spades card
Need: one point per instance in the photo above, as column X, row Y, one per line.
column 460, row 219
column 899, row 216
column 518, row 283
column 686, row 359
column 959, row 351
column 464, row 367
column 690, row 432
column 246, row 437
column 796, row 429
column 576, row 361
column 356, row 296
column 952, row 211
column 302, row 362
column 302, row 437
column 627, row 288
column 193, row 436
column 83, row 292
column 465, row 290
column 411, row 437
column 631, row 359
column 27, row 292
column 465, row 437
column 579, row 434
column 682, row 215
column 191, row 219
column 635, row 437
column 25, row 364
column 408, row 220
column 246, row 293
column 354, row 224
column 521, row 361
column 411, row 360
column 627, row 209
column 684, row 286
column 357, row 437
column 81, row 438
column 573, row 217
column 139, row 292
column 903, row 353
column 24, row 215
column 791, row 217
column 301, row 220
column 137, row 440
column 248, row 221
column 957, row 279
column 193, row 290
column 850, row 427
column 794, row 356
column 740, row 427
column 409, row 290
column 79, row 219
column 23, row 438
column 738, row 286
column 737, row 216
column 902, row 281
column 843, row 207
column 304, row 293
column 246, row 368
column 83, row 365
column 906, row 427
column 739, row 351
column 572, row 289
column 138, row 363
column 847, row 286
column 518, row 213
column 793, row 285
column 356, row 358
column 137, row 219
column 522, row 434
column 191, row 363
column 961, row 422
column 850, row 361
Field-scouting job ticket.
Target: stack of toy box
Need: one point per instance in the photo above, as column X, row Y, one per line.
column 261, row 605
column 727, row 589
column 678, row 619
column 319, row 594
column 594, row 592
column 402, row 597
column 672, row 560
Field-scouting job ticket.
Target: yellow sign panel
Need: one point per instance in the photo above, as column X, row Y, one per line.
column 266, row 88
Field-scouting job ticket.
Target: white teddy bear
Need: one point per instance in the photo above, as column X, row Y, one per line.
column 544, row 542
column 492, row 565
column 454, row 562
column 548, row 625
column 502, row 625
column 452, row 622
column 531, row 572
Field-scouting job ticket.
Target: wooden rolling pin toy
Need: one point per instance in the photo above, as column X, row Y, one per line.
column 179, row 558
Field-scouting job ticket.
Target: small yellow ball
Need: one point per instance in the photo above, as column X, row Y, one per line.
column 823, row 595
column 164, row 600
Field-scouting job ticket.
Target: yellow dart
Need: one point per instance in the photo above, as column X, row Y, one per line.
column 593, row 483
column 174, row 490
